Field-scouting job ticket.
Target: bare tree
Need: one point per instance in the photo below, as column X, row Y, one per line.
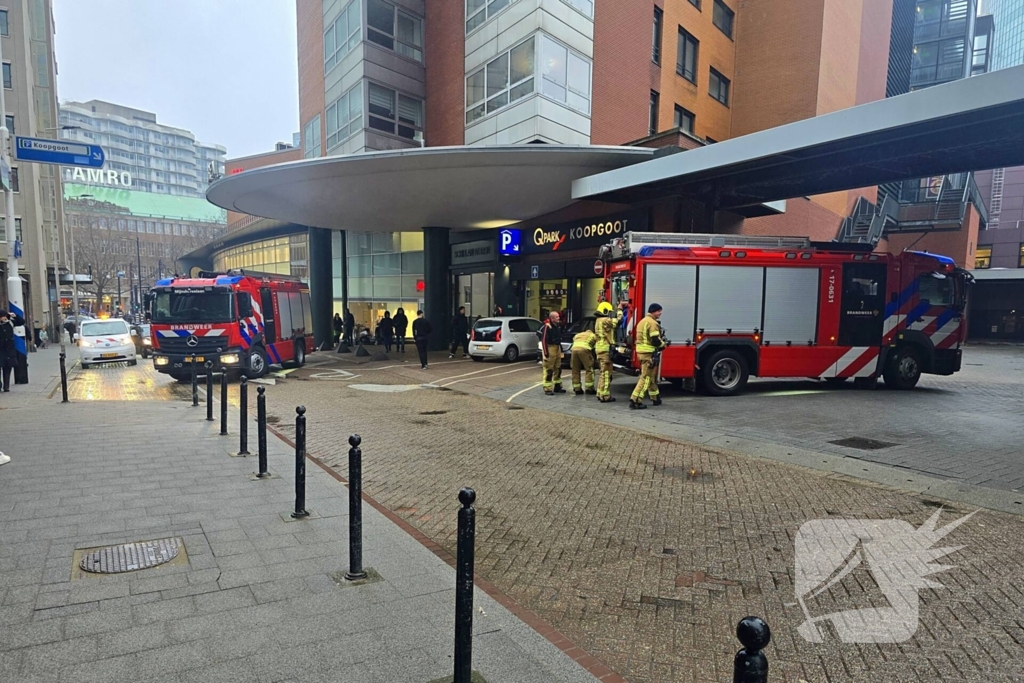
column 102, row 252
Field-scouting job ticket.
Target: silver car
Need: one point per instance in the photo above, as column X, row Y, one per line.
column 508, row 337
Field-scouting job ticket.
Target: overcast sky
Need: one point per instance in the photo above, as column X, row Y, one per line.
column 223, row 69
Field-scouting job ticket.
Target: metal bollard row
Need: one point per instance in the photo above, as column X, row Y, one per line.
column 209, row 391
column 261, row 431
column 243, row 420
column 63, row 377
column 355, row 509
column 750, row 665
column 223, row 403
column 300, row 463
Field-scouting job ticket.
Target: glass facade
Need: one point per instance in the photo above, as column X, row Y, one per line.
column 1008, row 41
column 385, row 272
column 282, row 255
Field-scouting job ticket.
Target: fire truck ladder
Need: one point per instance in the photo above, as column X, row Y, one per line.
column 636, row 240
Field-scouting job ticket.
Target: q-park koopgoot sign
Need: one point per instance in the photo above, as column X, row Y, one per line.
column 61, row 152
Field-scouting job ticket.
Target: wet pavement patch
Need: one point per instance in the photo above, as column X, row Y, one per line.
column 863, row 444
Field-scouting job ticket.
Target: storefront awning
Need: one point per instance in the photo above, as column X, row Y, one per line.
column 452, row 187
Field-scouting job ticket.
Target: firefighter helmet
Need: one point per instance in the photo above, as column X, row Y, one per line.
column 604, row 308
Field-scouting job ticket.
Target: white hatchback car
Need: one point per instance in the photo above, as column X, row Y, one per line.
column 508, row 337
column 105, row 341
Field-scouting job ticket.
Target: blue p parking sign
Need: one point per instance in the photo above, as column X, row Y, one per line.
column 508, row 242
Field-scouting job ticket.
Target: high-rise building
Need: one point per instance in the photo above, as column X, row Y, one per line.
column 141, row 154
column 1008, row 39
column 30, row 93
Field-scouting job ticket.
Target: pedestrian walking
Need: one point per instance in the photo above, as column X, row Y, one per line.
column 387, row 331
column 350, row 325
column 401, row 326
column 70, row 326
column 604, row 328
column 8, row 350
column 649, row 343
column 497, row 311
column 338, row 326
column 551, row 350
column 460, row 333
column 421, row 331
column 582, row 362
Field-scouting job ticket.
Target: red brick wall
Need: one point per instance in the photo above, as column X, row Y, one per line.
column 960, row 245
column 803, row 218
column 445, row 59
column 622, row 62
column 310, row 32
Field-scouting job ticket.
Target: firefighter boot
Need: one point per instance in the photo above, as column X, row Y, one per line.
column 637, row 405
column 656, row 401
column 578, row 392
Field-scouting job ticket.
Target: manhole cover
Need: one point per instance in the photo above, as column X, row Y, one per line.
column 863, row 444
column 130, row 557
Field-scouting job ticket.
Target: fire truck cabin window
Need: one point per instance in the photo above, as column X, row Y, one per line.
column 198, row 307
column 936, row 289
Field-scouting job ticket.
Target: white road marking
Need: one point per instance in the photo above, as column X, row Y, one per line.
column 507, row 372
column 523, row 391
column 386, row 388
column 466, row 374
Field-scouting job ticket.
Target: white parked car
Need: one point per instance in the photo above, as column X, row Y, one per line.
column 508, row 337
column 105, row 341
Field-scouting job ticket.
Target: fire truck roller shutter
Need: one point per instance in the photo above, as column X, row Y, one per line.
column 284, row 313
column 674, row 287
column 730, row 298
column 791, row 305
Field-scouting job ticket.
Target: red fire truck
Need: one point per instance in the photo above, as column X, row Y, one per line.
column 239, row 319
column 736, row 306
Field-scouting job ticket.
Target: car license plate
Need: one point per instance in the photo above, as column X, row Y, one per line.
column 484, row 347
column 108, row 355
column 198, row 359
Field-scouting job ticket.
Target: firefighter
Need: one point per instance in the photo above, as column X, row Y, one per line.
column 551, row 350
column 583, row 359
column 605, row 327
column 649, row 343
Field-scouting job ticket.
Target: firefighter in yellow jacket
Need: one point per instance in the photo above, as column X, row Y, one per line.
column 551, row 354
column 649, row 342
column 583, row 360
column 604, row 327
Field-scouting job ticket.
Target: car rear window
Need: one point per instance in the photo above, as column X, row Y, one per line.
column 105, row 327
column 486, row 329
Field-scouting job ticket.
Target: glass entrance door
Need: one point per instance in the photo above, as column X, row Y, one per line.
column 476, row 292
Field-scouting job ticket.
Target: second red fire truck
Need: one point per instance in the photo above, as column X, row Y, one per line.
column 236, row 320
column 736, row 306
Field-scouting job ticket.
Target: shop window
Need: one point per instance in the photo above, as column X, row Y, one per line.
column 1020, row 259
column 983, row 258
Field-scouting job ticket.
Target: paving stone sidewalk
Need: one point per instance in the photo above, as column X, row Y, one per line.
column 258, row 598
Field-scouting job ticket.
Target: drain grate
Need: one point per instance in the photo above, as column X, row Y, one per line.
column 863, row 444
column 130, row 557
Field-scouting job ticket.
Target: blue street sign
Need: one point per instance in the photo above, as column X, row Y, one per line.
column 508, row 242
column 534, row 272
column 60, row 152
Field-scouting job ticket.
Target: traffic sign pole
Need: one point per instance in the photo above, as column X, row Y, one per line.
column 15, row 300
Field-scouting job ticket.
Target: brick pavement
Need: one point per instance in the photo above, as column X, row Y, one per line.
column 257, row 599
column 646, row 551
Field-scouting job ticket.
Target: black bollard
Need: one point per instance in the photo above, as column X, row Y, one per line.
column 355, row 509
column 261, row 430
column 750, row 665
column 243, row 422
column 63, row 378
column 464, row 588
column 195, row 385
column 300, row 463
column 209, row 390
column 223, row 403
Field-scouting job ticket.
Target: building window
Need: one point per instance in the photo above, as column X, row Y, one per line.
column 15, row 185
column 652, row 114
column 341, row 36
column 393, row 29
column 9, row 122
column 3, row 229
column 391, row 111
column 1020, row 260
column 937, row 61
column 4, row 31
column 585, row 7
column 344, row 116
column 695, row 3
column 719, row 87
column 7, row 76
column 565, row 76
column 656, row 41
column 505, row 79
column 311, row 138
column 686, row 56
column 722, row 17
column 983, row 257
column 479, row 11
column 684, row 120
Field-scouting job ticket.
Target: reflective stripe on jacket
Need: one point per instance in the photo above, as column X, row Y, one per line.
column 647, row 328
column 605, row 329
column 584, row 341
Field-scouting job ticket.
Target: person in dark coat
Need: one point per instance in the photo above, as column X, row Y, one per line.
column 337, row 324
column 401, row 326
column 387, row 331
column 421, row 331
column 350, row 325
column 8, row 350
column 460, row 333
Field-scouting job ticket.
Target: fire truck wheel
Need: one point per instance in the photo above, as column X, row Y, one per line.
column 257, row 365
column 725, row 373
column 903, row 369
column 300, row 355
